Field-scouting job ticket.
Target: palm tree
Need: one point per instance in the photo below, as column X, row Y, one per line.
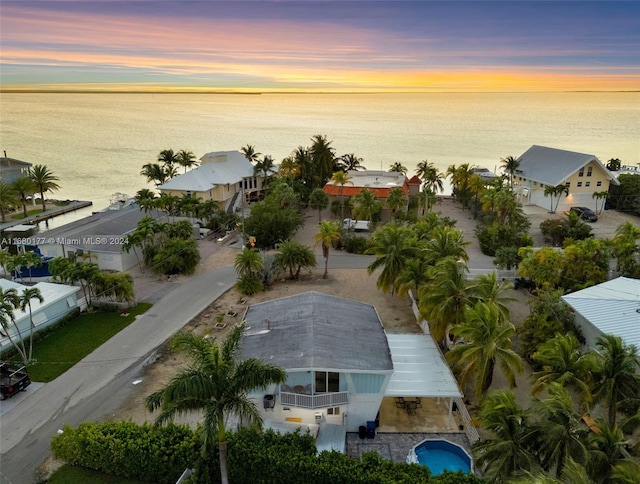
column 486, row 288
column 398, row 168
column 413, row 275
column 248, row 262
column 351, row 162
column 607, row 448
column 394, row 246
column 27, row 295
column 44, row 181
column 396, row 200
column 7, row 199
column 476, row 187
column 145, row 199
column 318, row 200
column 510, row 165
column 9, row 302
column 443, row 300
column 617, row 377
column 341, row 178
column 216, row 383
column 264, row 167
column 627, row 249
column 426, row 199
column 293, row 255
column 250, row 153
column 323, row 157
column 430, row 176
column 556, row 191
column 600, row 196
column 445, row 242
column 186, row 159
column 168, row 159
column 562, row 361
column 328, row 234
column 559, row 433
column 154, row 173
column 365, row 205
column 509, row 452
column 23, row 187
column 288, row 168
column 487, row 342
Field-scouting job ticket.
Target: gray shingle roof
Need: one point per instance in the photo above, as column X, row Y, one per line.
column 317, row 331
column 217, row 168
column 552, row 166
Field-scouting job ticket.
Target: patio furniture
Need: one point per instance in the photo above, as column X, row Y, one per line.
column 307, row 389
column 298, row 389
column 400, row 403
column 286, row 389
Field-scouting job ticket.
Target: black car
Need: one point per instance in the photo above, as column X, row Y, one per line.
column 585, row 213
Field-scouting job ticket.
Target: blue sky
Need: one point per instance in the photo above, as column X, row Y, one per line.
column 325, row 46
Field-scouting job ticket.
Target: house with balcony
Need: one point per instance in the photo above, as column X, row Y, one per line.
column 12, row 169
column 223, row 176
column 341, row 365
column 541, row 167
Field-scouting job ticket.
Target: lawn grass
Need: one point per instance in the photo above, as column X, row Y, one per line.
column 80, row 475
column 61, row 349
column 18, row 216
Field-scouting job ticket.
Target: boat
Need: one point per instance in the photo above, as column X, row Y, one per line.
column 485, row 174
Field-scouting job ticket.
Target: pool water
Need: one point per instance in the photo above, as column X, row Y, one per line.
column 440, row 455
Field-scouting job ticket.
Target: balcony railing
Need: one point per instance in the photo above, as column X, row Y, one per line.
column 314, row 401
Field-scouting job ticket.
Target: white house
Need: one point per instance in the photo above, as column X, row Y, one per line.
column 340, row 363
column 542, row 167
column 612, row 307
column 222, row 176
column 58, row 301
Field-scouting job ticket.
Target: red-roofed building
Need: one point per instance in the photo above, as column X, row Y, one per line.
column 414, row 185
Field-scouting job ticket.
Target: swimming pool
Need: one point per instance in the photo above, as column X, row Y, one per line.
column 441, row 455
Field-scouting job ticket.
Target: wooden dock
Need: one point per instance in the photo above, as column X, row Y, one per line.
column 47, row 214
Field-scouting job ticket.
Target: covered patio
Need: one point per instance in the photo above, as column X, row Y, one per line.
column 422, row 392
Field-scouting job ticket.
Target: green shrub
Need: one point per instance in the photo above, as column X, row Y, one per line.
column 356, row 244
column 249, row 284
column 142, row 452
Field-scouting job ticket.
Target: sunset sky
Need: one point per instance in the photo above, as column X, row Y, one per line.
column 320, row 45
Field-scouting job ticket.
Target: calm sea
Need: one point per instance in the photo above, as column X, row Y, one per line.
column 97, row 143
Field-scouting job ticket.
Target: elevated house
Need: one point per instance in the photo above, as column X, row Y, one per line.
column 612, row 307
column 12, row 169
column 100, row 235
column 542, row 167
column 340, row 364
column 223, row 176
column 58, row 301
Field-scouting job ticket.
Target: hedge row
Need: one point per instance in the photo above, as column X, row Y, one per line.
column 141, row 452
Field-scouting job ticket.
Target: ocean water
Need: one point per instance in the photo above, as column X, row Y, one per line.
column 97, row 143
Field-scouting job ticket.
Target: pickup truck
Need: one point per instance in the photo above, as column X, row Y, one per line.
column 356, row 225
column 12, row 380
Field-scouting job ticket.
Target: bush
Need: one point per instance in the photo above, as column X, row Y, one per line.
column 142, row 452
column 356, row 244
column 249, row 284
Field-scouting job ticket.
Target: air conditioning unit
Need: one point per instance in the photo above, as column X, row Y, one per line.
column 318, row 417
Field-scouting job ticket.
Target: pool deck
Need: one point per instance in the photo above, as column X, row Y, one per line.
column 397, row 445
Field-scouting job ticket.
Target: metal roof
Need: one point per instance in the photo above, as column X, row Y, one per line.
column 381, row 182
column 217, row 168
column 613, row 307
column 317, row 331
column 552, row 166
column 419, row 369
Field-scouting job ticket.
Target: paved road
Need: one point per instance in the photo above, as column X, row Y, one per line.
column 100, row 382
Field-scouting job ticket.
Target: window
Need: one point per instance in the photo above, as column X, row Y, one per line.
column 327, row 382
column 581, row 172
column 333, row 411
column 589, row 170
column 579, row 184
column 587, row 184
column 599, row 184
column 568, row 184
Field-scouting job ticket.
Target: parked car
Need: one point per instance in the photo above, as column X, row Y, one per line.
column 585, row 213
column 12, row 380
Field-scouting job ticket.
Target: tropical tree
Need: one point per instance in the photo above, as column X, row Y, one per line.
column 510, row 165
column 9, row 302
column 398, row 168
column 431, row 178
column 460, row 177
column 476, row 187
column 154, row 173
column 145, row 199
column 365, row 205
column 264, row 167
column 508, row 454
column 413, row 275
column 560, row 360
column 614, row 164
column 7, row 199
column 293, row 256
column 217, row 384
column 616, row 373
column 426, row 200
column 168, row 159
column 176, row 256
column 542, row 266
column 23, row 187
column 607, row 447
column 318, row 200
column 445, row 242
column 557, row 192
column 487, row 341
column 341, row 178
column 394, row 246
column 328, row 234
column 585, row 263
column 486, row 288
column 626, row 247
column 44, row 181
column 186, row 159
column 248, row 262
column 350, row 162
column 323, row 157
column 28, row 294
column 396, row 200
column 250, row 153
column 600, row 196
